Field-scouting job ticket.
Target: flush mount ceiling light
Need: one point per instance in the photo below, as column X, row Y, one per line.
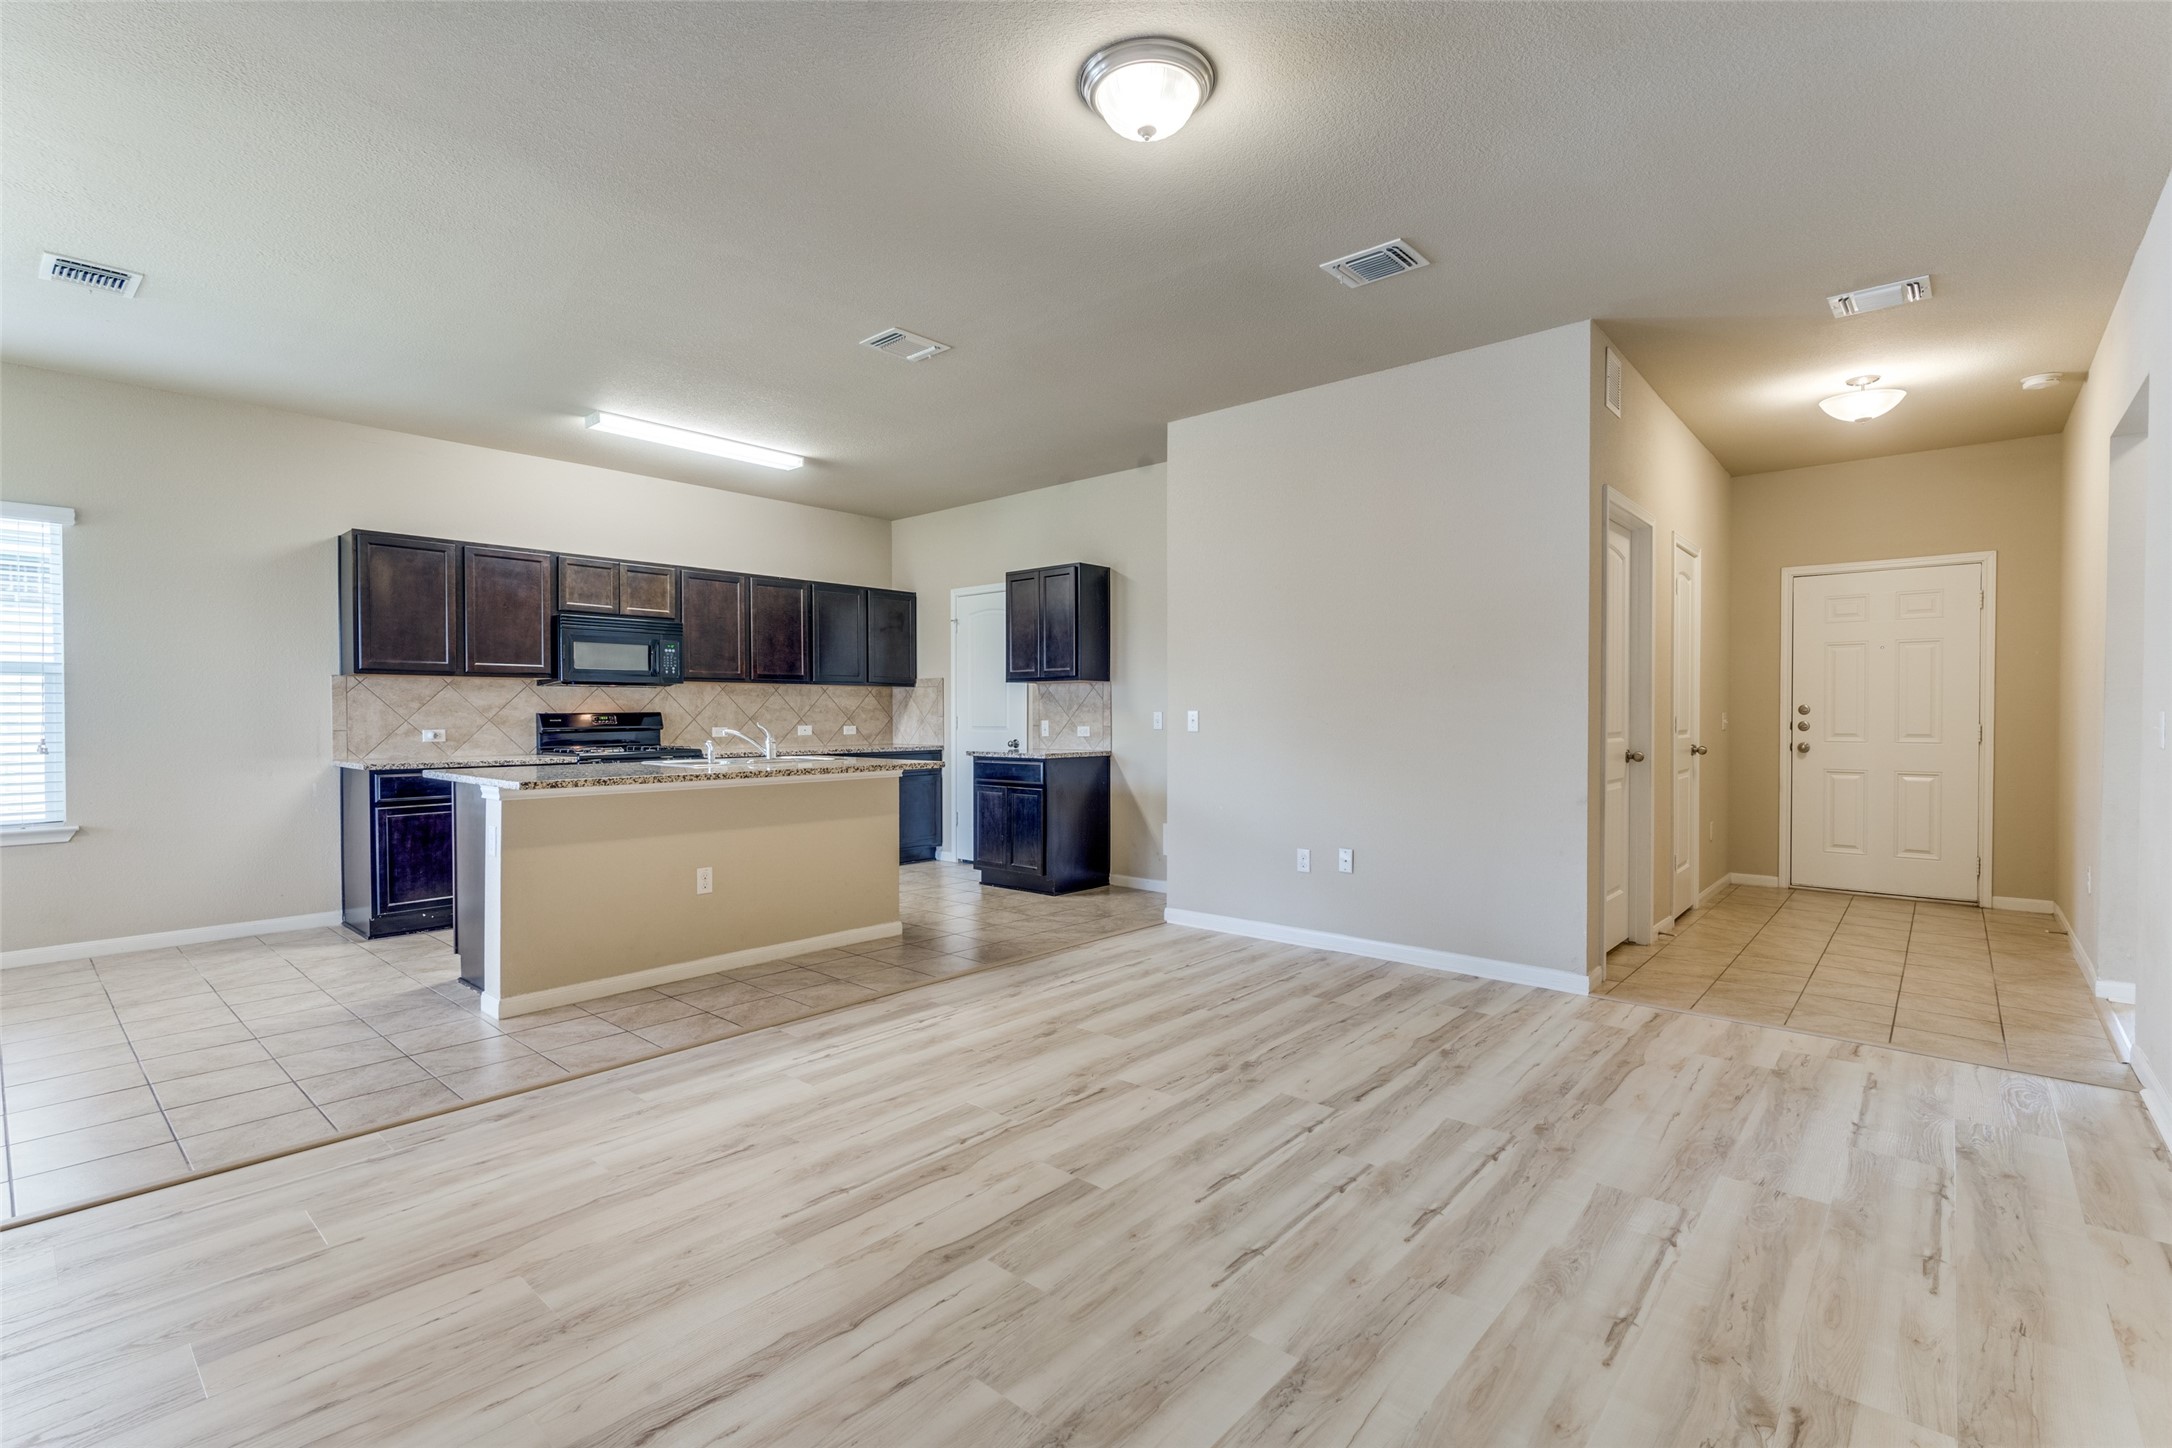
column 701, row 442
column 1865, row 402
column 1146, row 88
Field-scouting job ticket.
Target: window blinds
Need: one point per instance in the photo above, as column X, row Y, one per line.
column 33, row 739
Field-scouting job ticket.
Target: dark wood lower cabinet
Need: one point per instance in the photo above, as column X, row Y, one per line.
column 919, row 804
column 396, row 854
column 1042, row 824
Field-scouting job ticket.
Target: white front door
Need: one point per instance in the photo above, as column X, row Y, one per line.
column 1885, row 732
column 986, row 712
column 1614, row 711
column 1682, row 737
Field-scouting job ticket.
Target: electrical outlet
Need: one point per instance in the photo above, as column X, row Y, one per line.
column 1044, row 728
column 1085, row 731
column 1191, row 720
column 1304, row 862
column 804, row 730
column 705, row 881
column 1345, row 860
column 1157, row 718
column 433, row 736
column 852, row 728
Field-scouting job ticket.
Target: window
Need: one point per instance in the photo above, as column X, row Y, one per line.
column 33, row 736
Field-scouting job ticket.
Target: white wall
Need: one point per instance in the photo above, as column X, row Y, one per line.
column 202, row 625
column 1379, row 604
column 1120, row 521
column 2114, row 768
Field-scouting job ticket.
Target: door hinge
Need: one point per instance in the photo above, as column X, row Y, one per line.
column 1979, row 733
column 1979, row 867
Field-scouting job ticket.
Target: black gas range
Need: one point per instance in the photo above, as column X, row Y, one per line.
column 632, row 735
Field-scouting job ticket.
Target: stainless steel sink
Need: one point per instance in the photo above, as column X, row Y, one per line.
column 743, row 761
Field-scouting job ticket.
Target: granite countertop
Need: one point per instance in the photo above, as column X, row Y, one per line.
column 748, row 770
column 376, row 765
column 1039, row 753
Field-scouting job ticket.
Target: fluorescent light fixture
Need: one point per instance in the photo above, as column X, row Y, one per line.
column 1865, row 402
column 702, row 442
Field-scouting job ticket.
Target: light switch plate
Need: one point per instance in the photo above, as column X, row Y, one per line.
column 852, row 728
column 1304, row 862
column 1085, row 731
column 1191, row 720
column 1044, row 728
column 1157, row 718
column 1345, row 860
column 705, row 881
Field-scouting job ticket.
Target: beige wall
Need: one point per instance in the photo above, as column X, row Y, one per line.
column 202, row 625
column 2001, row 496
column 1651, row 457
column 1120, row 520
column 1378, row 603
column 2113, row 875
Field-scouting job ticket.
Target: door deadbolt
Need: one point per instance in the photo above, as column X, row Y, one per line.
column 1802, row 748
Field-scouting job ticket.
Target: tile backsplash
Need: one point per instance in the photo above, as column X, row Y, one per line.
column 380, row 717
column 1067, row 707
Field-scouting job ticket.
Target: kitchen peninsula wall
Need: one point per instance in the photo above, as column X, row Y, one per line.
column 379, row 718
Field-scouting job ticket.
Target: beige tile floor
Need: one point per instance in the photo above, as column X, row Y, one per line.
column 1992, row 987
column 119, row 1072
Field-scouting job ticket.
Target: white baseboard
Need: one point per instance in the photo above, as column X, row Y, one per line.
column 2022, row 902
column 1771, row 882
column 2118, row 992
column 499, row 1007
column 1140, row 882
column 948, row 857
column 1713, row 889
column 1570, row 982
column 1661, row 927
column 2156, row 1103
column 165, row 939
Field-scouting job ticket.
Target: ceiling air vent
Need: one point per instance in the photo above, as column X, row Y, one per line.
column 905, row 345
column 1877, row 299
column 1374, row 263
column 87, row 274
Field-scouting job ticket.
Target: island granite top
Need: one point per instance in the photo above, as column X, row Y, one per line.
column 1039, row 753
column 680, row 774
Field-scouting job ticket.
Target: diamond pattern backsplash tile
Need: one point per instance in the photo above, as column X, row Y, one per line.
column 380, row 717
column 1069, row 708
column 916, row 716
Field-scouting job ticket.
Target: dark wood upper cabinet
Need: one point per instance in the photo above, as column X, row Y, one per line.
column 893, row 637
column 713, row 608
column 399, row 604
column 777, row 651
column 840, row 634
column 588, row 585
column 648, row 590
column 1058, row 622
column 505, row 611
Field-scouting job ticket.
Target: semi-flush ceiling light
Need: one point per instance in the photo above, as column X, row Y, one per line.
column 1865, row 402
column 1147, row 88
column 722, row 447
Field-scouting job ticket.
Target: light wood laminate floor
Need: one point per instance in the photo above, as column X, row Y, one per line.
column 122, row 1072
column 1171, row 1188
column 1996, row 987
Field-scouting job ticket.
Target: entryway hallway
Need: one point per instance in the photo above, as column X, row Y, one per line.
column 1994, row 987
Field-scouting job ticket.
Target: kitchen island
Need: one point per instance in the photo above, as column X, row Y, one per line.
column 577, row 881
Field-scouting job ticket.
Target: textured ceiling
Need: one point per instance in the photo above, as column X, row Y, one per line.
column 482, row 221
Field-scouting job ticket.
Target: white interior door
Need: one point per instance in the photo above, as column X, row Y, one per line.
column 1885, row 737
column 985, row 711
column 1614, row 711
column 1687, row 712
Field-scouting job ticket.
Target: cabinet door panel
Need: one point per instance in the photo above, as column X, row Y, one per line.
column 647, row 590
column 991, row 825
column 406, row 605
column 588, row 585
column 1059, row 623
column 506, row 611
column 1022, row 621
column 1024, row 808
column 414, row 857
column 840, row 634
column 714, row 610
column 893, row 644
column 777, row 630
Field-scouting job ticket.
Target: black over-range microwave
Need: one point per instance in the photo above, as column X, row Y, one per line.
column 595, row 650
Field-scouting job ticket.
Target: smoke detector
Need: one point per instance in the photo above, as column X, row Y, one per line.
column 1877, row 299
column 89, row 274
column 906, row 346
column 2039, row 381
column 1375, row 263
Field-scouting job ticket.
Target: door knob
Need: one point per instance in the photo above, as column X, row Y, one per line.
column 1802, row 708
column 1634, row 756
column 1803, row 748
column 1698, row 749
